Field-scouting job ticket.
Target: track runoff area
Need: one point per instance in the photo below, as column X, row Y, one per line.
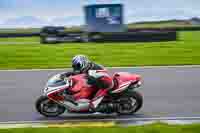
column 170, row 95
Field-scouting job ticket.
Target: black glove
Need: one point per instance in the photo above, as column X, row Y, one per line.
column 91, row 80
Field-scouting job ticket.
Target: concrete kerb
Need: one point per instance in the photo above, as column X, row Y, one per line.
column 93, row 124
column 57, row 125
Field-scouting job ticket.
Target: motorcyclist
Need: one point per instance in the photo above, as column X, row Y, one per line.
column 81, row 64
column 96, row 74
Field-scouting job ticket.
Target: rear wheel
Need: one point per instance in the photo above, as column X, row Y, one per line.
column 130, row 103
column 48, row 107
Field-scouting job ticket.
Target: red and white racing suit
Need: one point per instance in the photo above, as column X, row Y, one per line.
column 103, row 81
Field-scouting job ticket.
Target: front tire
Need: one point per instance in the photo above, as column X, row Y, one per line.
column 44, row 104
column 130, row 103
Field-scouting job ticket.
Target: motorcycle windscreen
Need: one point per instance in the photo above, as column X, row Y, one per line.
column 55, row 81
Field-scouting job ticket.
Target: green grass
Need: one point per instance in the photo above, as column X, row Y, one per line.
column 163, row 24
column 19, row 30
column 154, row 24
column 154, row 128
column 20, row 39
column 185, row 51
column 35, row 30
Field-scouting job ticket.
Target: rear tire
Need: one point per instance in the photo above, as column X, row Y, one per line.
column 127, row 100
column 41, row 107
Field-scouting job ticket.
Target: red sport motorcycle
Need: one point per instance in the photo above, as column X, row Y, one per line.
column 123, row 98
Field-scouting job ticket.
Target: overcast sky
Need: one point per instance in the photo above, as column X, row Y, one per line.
column 135, row 10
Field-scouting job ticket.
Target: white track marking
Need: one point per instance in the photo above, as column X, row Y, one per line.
column 105, row 119
column 138, row 67
column 68, row 124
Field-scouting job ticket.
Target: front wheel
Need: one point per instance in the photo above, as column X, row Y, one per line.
column 130, row 103
column 48, row 108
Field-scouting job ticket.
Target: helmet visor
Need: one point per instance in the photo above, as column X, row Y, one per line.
column 77, row 67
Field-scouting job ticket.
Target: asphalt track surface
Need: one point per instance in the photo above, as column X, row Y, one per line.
column 168, row 92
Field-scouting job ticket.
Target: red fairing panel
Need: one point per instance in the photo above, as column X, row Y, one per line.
column 100, row 93
column 55, row 95
column 81, row 89
column 123, row 77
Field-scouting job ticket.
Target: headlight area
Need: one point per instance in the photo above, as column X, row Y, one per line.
column 45, row 89
column 137, row 84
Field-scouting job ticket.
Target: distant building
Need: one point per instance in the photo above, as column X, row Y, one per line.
column 195, row 21
column 104, row 18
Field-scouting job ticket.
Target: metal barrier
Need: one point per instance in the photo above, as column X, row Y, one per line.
column 149, row 36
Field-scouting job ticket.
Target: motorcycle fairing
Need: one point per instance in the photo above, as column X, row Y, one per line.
column 81, row 89
column 122, row 80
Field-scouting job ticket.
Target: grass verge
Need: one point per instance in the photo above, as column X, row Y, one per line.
column 20, row 39
column 154, row 128
column 185, row 51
